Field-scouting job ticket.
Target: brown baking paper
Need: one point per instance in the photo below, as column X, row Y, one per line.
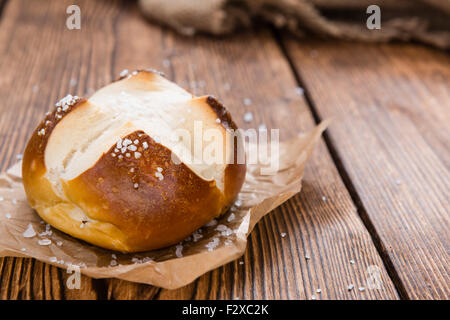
column 172, row 267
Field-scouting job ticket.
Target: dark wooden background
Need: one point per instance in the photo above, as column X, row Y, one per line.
column 383, row 165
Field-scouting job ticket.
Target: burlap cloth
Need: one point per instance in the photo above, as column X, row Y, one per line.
column 427, row 21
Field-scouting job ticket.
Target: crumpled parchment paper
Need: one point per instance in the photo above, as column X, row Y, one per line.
column 210, row 247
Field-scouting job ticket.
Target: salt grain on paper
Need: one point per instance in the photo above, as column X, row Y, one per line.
column 8, row 216
column 213, row 244
column 45, row 242
column 179, row 251
column 197, row 235
column 361, row 289
column 212, row 223
column 350, row 287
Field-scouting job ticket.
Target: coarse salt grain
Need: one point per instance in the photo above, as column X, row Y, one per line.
column 179, row 251
column 136, row 141
column 248, row 117
column 145, row 145
column 361, row 289
column 82, row 225
column 352, row 261
column 23, row 249
column 59, row 243
column 53, row 259
column 218, row 120
column 45, row 242
column 324, row 198
column 41, row 132
column 231, row 217
column 213, row 244
column 212, row 223
column 197, row 235
column 283, row 235
column 137, row 155
column 350, row 287
column 300, row 91
column 159, row 175
column 136, row 185
column 124, row 72
column 113, row 263
column 224, row 230
column 159, row 169
column 132, row 147
column 319, row 290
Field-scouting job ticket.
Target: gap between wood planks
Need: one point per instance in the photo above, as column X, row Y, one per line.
column 362, row 213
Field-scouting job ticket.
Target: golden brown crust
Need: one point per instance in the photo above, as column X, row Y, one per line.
column 132, row 200
column 153, row 212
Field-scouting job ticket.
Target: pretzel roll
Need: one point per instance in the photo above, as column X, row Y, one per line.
column 139, row 166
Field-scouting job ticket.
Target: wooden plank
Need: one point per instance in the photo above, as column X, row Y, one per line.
column 391, row 110
column 329, row 231
column 41, row 61
column 249, row 65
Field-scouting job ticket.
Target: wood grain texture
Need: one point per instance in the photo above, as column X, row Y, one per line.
column 391, row 110
column 37, row 50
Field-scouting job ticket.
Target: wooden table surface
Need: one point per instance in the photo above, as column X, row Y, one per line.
column 374, row 209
